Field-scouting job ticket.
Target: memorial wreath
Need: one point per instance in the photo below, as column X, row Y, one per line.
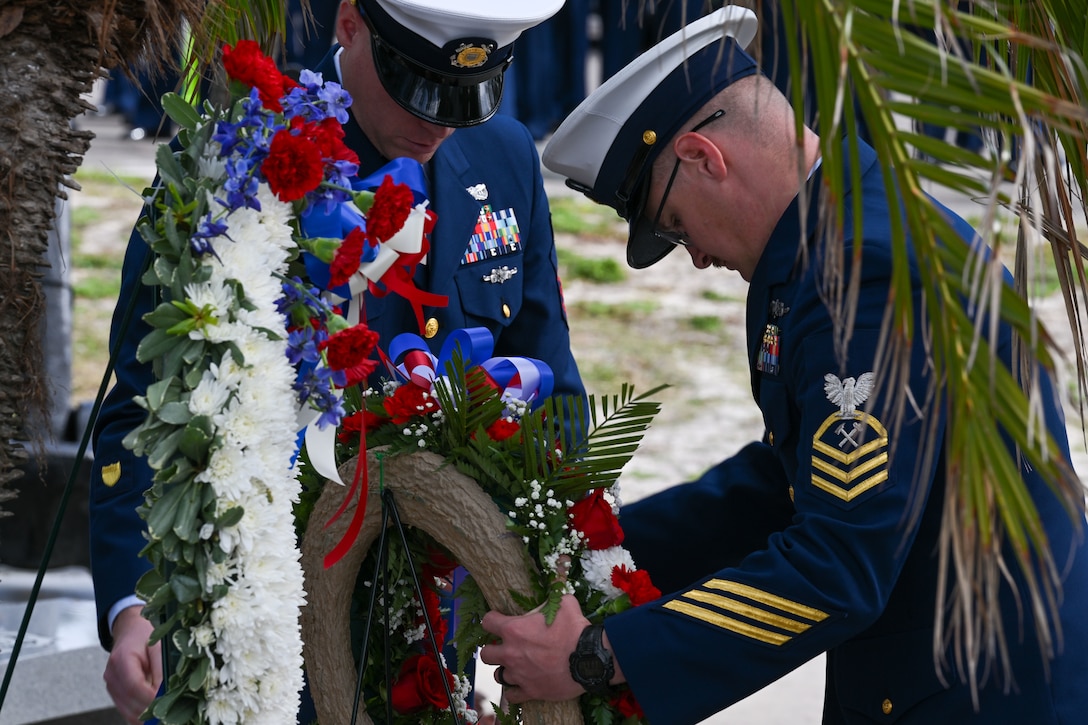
column 252, row 199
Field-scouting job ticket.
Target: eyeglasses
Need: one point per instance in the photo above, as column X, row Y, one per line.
column 669, row 236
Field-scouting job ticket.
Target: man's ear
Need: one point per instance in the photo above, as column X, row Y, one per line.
column 703, row 152
column 348, row 24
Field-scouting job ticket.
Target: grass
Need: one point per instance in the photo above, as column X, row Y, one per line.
column 705, row 323
column 602, row 270
column 580, row 216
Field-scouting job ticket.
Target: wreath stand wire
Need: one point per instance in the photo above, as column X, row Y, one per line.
column 389, row 508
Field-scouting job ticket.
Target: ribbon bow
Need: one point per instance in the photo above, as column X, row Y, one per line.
column 522, row 378
column 390, row 266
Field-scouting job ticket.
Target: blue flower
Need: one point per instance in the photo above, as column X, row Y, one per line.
column 338, row 100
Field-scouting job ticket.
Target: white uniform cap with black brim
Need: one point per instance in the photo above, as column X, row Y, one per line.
column 443, row 61
column 608, row 144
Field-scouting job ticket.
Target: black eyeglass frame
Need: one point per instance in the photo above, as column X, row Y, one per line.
column 667, row 236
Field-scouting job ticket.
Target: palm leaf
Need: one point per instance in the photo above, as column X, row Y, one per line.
column 616, row 427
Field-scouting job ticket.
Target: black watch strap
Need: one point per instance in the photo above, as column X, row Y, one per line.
column 591, row 663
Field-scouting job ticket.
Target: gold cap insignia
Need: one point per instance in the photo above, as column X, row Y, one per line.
column 111, row 473
column 468, row 55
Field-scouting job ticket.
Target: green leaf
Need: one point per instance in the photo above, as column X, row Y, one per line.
column 165, row 510
column 197, row 438
column 164, row 449
column 170, row 169
column 175, row 413
column 186, row 522
column 230, row 517
column 180, row 111
column 154, row 345
column 185, row 588
column 161, row 392
column 166, row 315
column 199, row 676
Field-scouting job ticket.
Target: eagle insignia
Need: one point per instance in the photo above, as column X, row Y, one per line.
column 850, row 448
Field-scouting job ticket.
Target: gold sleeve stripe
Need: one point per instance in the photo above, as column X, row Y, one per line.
column 747, row 610
column 733, row 625
column 855, row 472
column 857, row 490
column 848, row 458
column 766, row 598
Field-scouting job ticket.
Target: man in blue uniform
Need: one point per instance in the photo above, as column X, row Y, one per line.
column 416, row 71
column 803, row 542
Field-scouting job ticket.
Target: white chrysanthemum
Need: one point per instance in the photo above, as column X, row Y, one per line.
column 209, row 396
column 226, row 471
column 273, row 211
column 598, row 565
column 216, row 298
column 220, row 707
column 211, row 165
column 220, row 572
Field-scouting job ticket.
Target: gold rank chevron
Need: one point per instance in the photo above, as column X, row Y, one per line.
column 848, row 475
column 766, row 617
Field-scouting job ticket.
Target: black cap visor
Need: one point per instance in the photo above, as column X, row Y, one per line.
column 464, row 100
column 644, row 248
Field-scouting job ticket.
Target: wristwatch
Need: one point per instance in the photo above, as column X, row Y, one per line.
column 590, row 663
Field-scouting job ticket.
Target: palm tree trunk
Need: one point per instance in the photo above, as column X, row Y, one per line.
column 50, row 61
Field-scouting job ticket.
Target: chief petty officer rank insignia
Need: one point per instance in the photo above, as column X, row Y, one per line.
column 850, row 448
column 496, row 234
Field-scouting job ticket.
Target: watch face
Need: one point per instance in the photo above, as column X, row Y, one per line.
column 590, row 667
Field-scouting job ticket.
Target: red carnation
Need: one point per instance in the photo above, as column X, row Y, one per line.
column 392, row 204
column 635, row 584
column 346, row 261
column 329, row 137
column 419, row 685
column 407, row 402
column 593, row 517
column 349, row 350
column 627, row 705
column 502, row 429
column 354, row 424
column 293, row 166
column 247, row 64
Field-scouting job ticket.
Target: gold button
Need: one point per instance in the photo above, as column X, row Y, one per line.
column 649, row 137
column 431, row 328
column 791, row 493
column 770, row 438
column 505, row 310
column 886, row 706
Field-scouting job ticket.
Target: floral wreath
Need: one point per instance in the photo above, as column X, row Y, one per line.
column 256, row 197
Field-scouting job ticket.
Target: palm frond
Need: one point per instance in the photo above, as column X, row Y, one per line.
column 1014, row 73
column 617, row 425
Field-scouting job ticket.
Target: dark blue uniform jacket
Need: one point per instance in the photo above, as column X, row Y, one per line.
column 803, row 543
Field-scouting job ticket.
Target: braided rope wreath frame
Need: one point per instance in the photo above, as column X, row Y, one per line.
column 453, row 509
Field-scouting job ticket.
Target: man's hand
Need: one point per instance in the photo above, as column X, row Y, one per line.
column 134, row 670
column 536, row 657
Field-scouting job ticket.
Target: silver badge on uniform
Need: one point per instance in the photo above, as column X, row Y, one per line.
column 500, row 274
column 477, row 191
